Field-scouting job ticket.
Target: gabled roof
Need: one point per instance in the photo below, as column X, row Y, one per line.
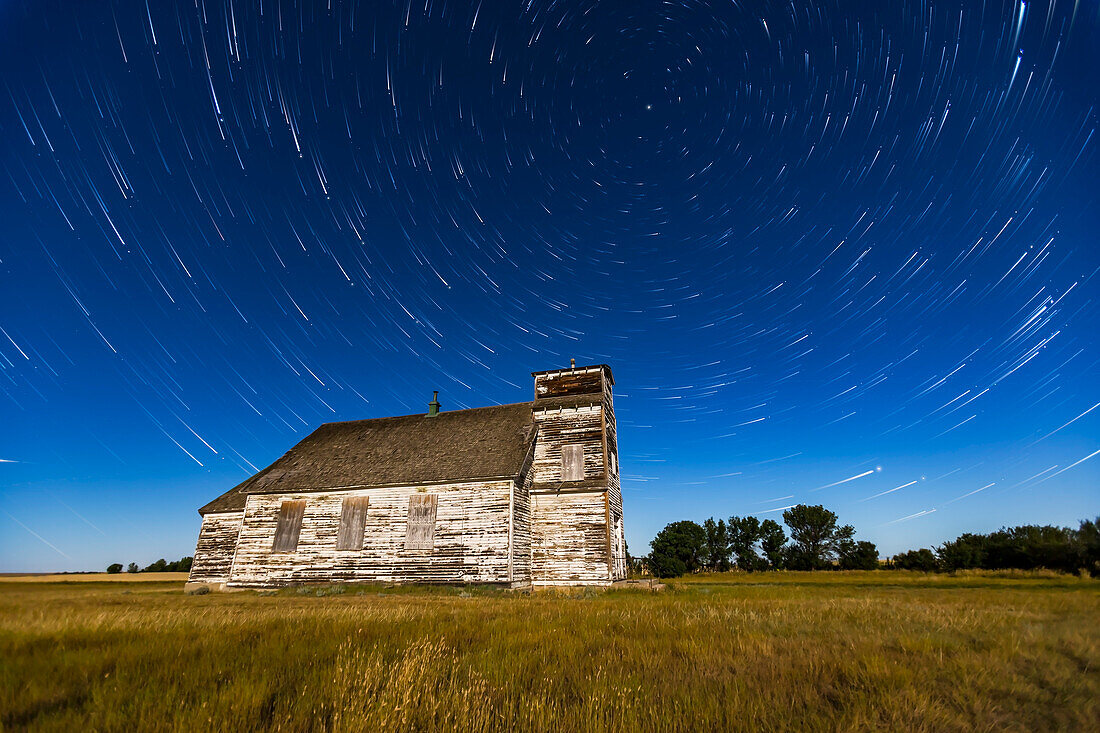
column 455, row 446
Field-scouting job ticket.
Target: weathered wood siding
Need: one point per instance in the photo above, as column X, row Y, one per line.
column 567, row 426
column 521, row 531
column 569, row 383
column 618, row 537
column 569, row 539
column 470, row 543
column 214, row 551
column 614, row 491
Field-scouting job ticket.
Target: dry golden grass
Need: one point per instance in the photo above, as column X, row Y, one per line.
column 775, row 651
column 95, row 578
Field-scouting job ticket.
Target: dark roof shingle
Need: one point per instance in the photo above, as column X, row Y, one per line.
column 461, row 445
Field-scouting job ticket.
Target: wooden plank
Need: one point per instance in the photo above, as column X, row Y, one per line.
column 353, row 522
column 572, row 462
column 511, row 529
column 568, row 383
column 420, row 532
column 289, row 526
column 606, row 503
column 521, row 536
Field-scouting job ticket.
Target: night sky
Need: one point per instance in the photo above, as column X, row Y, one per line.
column 835, row 252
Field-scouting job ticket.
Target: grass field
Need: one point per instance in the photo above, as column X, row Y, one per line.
column 93, row 578
column 774, row 651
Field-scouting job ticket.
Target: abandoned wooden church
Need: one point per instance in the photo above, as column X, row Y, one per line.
column 522, row 494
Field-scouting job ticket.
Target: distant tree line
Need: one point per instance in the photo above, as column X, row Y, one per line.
column 817, row 542
column 183, row 565
column 1012, row 548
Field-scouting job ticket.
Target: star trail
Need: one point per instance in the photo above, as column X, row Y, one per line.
column 835, row 252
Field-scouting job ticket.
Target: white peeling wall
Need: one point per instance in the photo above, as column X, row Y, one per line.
column 569, row 539
column 470, row 546
column 214, row 551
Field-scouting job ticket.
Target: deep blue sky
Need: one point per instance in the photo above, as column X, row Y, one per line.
column 836, row 252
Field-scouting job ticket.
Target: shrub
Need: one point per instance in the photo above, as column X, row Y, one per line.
column 921, row 559
column 858, row 556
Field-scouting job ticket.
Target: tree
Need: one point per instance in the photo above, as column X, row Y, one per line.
column 157, row 567
column 815, row 535
column 921, row 559
column 772, row 539
column 677, row 549
column 844, row 545
column 1088, row 545
column 717, row 545
column 132, row 568
column 114, row 568
column 860, row 555
column 744, row 534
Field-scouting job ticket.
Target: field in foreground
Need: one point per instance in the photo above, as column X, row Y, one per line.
column 774, row 651
column 93, row 578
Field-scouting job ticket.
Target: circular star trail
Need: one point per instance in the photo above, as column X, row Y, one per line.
column 835, row 252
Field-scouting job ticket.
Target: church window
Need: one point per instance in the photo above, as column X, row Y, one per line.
column 420, row 531
column 572, row 462
column 353, row 523
column 288, row 526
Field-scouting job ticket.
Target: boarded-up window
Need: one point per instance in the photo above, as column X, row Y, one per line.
column 288, row 526
column 353, row 522
column 420, row 533
column 572, row 462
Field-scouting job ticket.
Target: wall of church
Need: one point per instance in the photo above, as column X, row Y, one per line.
column 214, row 551
column 569, row 539
column 521, row 532
column 567, row 426
column 470, row 542
column 616, row 531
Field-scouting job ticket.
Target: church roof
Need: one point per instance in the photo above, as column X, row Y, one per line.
column 460, row 445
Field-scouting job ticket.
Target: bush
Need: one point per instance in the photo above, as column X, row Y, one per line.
column 114, row 568
column 922, row 560
column 1028, row 547
column 859, row 556
column 666, row 566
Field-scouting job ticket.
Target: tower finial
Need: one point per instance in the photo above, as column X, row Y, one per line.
column 572, row 363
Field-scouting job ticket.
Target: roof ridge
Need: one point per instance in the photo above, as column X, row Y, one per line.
column 442, row 413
